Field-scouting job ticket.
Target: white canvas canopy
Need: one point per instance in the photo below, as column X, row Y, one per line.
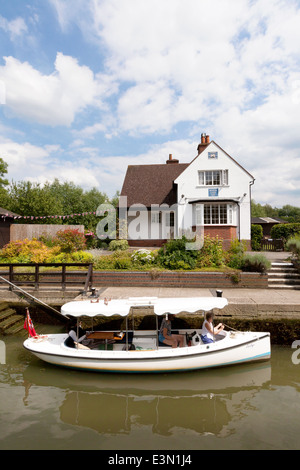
column 161, row 306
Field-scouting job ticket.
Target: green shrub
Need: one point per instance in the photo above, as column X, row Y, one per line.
column 293, row 245
column 25, row 251
column 256, row 237
column 35, row 251
column 82, row 257
column 174, row 255
column 122, row 263
column 48, row 240
column 103, row 262
column 212, row 253
column 284, row 231
column 118, row 245
column 255, row 263
column 235, row 261
column 117, row 260
column 178, row 260
column 234, row 256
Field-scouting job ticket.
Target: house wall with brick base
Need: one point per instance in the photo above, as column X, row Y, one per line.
column 225, row 232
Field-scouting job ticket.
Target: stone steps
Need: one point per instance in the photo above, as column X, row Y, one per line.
column 283, row 276
column 10, row 321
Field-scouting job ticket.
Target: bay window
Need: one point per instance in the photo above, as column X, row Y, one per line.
column 214, row 214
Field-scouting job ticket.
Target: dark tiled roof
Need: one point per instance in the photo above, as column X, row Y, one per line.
column 7, row 213
column 151, row 184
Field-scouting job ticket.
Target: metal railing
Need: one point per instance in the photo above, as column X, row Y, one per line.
column 38, row 275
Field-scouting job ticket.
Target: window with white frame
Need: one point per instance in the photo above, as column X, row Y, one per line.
column 170, row 219
column 214, row 214
column 155, row 217
column 213, row 178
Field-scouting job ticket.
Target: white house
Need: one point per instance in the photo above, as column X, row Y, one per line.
column 212, row 193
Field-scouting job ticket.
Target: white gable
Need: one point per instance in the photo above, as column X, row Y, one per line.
column 214, row 182
column 230, row 180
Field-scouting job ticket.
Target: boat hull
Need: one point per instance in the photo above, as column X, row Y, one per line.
column 233, row 349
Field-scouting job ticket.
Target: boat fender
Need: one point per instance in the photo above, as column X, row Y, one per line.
column 196, row 339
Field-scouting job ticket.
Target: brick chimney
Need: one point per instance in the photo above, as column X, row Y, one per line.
column 171, row 160
column 204, row 142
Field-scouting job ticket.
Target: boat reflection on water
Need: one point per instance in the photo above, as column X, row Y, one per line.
column 203, row 402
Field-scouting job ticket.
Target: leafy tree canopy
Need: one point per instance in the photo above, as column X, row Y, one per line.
column 287, row 212
column 51, row 199
column 3, row 171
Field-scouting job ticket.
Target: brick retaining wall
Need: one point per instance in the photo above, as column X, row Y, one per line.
column 215, row 280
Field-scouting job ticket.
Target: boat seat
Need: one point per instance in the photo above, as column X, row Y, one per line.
column 163, row 345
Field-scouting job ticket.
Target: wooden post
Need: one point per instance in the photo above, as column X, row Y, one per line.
column 11, row 275
column 63, row 277
column 89, row 278
column 36, row 277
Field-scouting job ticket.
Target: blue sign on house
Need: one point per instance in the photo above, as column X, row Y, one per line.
column 212, row 154
column 213, row 192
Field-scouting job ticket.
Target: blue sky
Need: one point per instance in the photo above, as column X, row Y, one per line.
column 90, row 87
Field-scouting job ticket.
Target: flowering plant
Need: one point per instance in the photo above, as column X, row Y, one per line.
column 70, row 240
column 143, row 256
column 90, row 239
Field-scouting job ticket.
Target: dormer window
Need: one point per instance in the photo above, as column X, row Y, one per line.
column 213, row 178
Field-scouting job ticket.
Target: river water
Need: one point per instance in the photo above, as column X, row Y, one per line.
column 254, row 406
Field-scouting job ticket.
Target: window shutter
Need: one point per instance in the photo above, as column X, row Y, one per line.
column 199, row 214
column 201, row 178
column 229, row 213
column 224, row 177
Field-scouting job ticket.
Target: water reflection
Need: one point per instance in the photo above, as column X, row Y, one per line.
column 203, row 402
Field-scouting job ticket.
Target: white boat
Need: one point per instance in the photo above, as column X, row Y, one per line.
column 147, row 354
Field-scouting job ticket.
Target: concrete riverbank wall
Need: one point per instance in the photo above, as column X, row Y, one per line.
column 276, row 311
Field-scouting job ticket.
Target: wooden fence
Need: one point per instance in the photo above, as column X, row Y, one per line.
column 272, row 245
column 35, row 277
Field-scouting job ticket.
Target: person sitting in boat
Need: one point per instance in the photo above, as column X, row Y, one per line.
column 165, row 336
column 208, row 330
column 72, row 338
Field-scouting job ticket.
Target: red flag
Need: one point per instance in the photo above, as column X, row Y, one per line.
column 28, row 325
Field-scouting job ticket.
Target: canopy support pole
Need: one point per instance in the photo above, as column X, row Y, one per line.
column 127, row 333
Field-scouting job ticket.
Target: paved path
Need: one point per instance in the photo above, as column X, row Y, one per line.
column 274, row 296
column 244, row 303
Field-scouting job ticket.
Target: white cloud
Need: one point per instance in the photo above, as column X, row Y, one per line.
column 25, row 161
column 226, row 67
column 53, row 99
column 15, row 28
column 186, row 61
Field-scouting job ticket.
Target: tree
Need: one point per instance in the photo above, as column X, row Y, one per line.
column 3, row 171
column 30, row 199
column 54, row 203
column 290, row 213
